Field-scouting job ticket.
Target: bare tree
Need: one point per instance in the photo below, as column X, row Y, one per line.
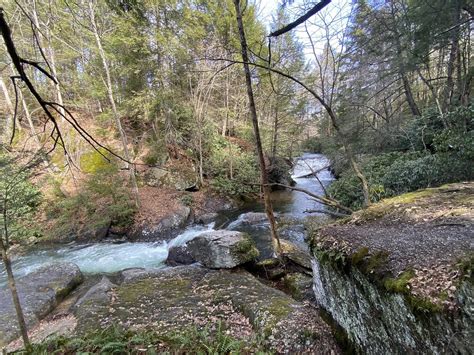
column 258, row 142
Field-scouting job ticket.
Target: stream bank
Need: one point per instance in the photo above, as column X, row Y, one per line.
column 286, row 324
column 398, row 275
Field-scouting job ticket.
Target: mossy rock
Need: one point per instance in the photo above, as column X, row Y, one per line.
column 172, row 300
column 94, row 161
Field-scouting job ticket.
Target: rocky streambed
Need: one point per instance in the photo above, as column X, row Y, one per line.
column 394, row 278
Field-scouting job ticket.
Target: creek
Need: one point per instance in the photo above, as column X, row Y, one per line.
column 112, row 257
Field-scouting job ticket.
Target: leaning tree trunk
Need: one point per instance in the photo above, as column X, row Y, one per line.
column 12, row 285
column 253, row 114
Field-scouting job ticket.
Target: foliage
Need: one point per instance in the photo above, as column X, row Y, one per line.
column 448, row 159
column 113, row 340
column 312, row 145
column 232, row 170
column 19, row 198
column 102, row 200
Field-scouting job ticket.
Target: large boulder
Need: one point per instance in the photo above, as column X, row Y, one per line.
column 222, row 249
column 39, row 293
column 179, row 255
column 180, row 177
column 164, row 229
column 175, row 300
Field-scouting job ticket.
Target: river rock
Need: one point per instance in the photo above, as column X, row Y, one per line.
column 222, row 249
column 296, row 254
column 164, row 229
column 100, row 291
column 178, row 299
column 39, row 292
column 179, row 255
column 206, row 218
column 250, row 218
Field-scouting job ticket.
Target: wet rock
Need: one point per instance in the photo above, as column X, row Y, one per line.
column 39, row 292
column 175, row 299
column 250, row 218
column 295, row 233
column 222, row 249
column 179, row 255
column 164, row 229
column 206, row 218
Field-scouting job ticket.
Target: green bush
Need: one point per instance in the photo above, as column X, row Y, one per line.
column 312, row 145
column 19, row 199
column 103, row 199
column 439, row 155
column 232, row 170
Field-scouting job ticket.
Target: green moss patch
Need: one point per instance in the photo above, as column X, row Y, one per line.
column 94, row 161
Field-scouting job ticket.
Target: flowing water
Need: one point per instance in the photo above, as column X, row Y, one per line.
column 112, row 257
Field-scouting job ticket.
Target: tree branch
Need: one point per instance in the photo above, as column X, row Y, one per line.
column 316, row 8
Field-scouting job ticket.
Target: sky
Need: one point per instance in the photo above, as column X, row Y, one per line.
column 335, row 15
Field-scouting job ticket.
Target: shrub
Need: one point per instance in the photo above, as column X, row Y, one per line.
column 438, row 156
column 103, row 199
column 232, row 170
column 19, row 199
column 312, row 145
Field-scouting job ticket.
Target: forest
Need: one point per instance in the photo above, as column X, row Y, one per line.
column 292, row 129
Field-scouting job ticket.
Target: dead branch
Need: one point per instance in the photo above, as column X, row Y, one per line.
column 315, row 9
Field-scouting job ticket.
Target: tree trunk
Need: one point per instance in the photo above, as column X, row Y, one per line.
column 12, row 285
column 453, row 55
column 110, row 94
column 253, row 115
column 11, row 115
column 52, row 58
column 275, row 132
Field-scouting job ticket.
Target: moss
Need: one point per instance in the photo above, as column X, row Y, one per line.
column 410, row 197
column 401, row 283
column 269, row 263
column 245, row 247
column 423, row 305
column 416, row 303
column 145, row 288
column 290, row 283
column 94, row 161
column 359, row 255
column 278, row 309
column 376, row 260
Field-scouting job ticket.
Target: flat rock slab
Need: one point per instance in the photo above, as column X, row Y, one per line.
column 428, row 232
column 177, row 299
column 39, row 292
